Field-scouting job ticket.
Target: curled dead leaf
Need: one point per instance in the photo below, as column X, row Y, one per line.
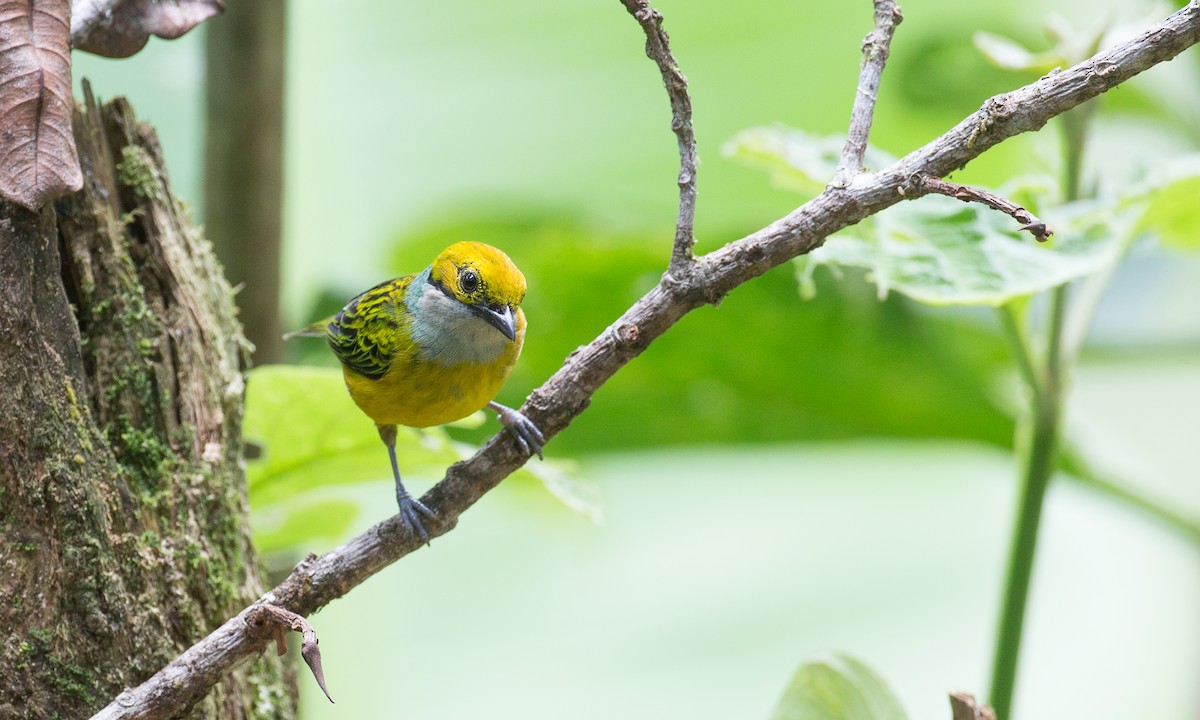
column 38, row 161
column 120, row 28
column 312, row 655
column 309, row 647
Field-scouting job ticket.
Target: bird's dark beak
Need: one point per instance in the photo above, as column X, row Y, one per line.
column 500, row 318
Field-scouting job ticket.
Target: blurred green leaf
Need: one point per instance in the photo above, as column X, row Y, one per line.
column 796, row 160
column 313, row 438
column 312, row 435
column 1071, row 45
column 838, row 688
column 1172, row 212
column 1008, row 54
column 938, row 250
column 302, row 519
column 1076, row 44
column 577, row 492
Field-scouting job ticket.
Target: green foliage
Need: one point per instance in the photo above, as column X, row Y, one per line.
column 1069, row 47
column 1008, row 54
column 837, row 688
column 312, row 440
column 796, row 160
column 1172, row 213
column 940, row 251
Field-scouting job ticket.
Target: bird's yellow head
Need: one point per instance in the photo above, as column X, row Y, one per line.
column 483, row 279
column 478, row 274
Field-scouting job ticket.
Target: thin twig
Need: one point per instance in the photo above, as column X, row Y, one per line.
column 319, row 581
column 876, row 48
column 923, row 184
column 658, row 49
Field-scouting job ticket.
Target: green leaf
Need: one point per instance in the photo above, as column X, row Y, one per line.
column 1172, row 212
column 313, row 439
column 312, row 435
column 303, row 519
column 796, row 160
column 837, row 688
column 1008, row 54
column 940, row 251
column 562, row 480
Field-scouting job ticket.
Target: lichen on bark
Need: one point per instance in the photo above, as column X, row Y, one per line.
column 123, row 519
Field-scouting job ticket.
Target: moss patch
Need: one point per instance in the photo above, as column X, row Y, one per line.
column 138, row 172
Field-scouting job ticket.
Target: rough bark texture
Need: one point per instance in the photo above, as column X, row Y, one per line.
column 123, row 532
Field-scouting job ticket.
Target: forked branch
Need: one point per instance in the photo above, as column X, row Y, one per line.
column 876, row 48
column 658, row 49
column 320, row 580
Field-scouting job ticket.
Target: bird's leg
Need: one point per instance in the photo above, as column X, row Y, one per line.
column 411, row 509
column 522, row 428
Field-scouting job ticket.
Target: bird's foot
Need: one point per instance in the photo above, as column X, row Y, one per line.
column 411, row 511
column 527, row 434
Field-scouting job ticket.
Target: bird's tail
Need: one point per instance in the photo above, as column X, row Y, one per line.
column 317, row 329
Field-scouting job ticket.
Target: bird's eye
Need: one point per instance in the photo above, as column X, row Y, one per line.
column 468, row 281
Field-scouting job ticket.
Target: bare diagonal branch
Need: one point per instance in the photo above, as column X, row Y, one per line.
column 320, row 580
column 658, row 49
column 876, row 48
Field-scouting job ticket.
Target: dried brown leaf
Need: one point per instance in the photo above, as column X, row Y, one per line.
column 120, row 28
column 312, row 655
column 38, row 161
column 309, row 650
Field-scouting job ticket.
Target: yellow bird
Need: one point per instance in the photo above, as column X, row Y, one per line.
column 433, row 347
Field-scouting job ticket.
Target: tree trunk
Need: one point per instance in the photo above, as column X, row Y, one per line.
column 123, row 518
column 243, row 160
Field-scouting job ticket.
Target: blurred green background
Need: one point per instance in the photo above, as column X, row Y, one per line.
column 780, row 477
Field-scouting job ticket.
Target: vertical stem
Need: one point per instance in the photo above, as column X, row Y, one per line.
column 1073, row 157
column 1037, row 442
column 1037, row 439
column 1074, row 131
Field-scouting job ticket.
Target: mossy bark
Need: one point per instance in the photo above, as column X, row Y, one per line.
column 123, row 518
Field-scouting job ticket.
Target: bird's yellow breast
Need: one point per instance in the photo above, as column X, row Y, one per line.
column 419, row 392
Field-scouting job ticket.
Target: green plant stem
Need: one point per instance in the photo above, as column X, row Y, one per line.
column 1077, row 469
column 1037, row 445
column 1038, row 438
column 1018, row 345
column 1074, row 125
